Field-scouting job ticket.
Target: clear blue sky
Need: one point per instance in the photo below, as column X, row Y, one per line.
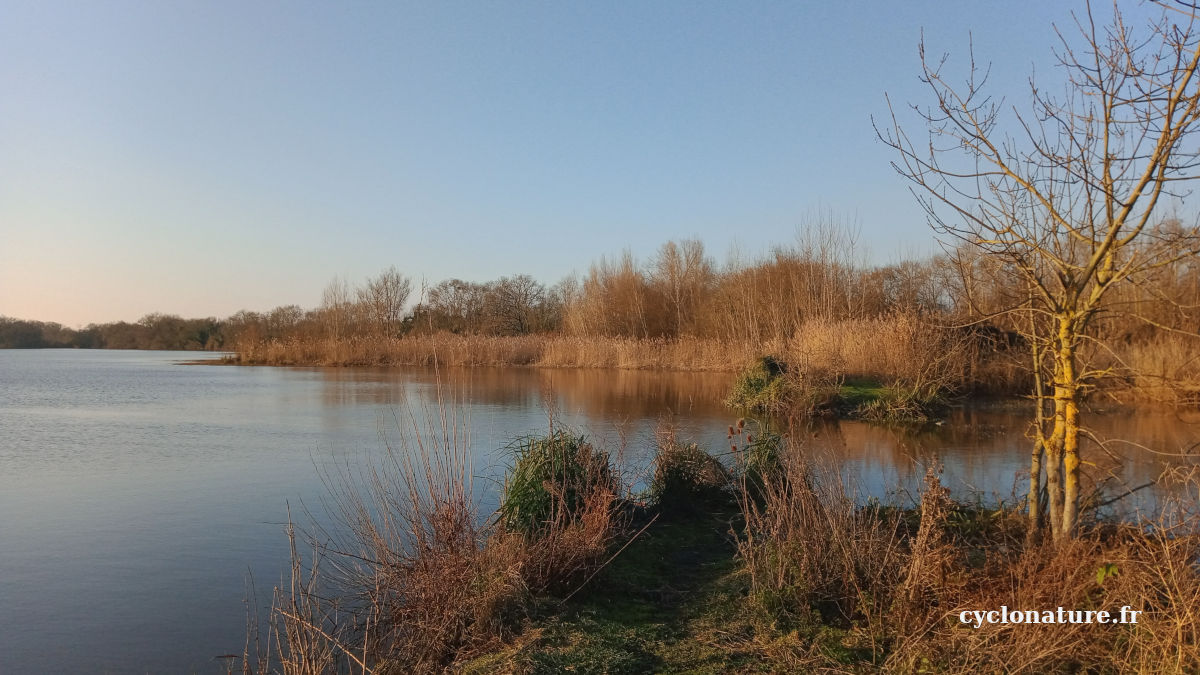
column 203, row 157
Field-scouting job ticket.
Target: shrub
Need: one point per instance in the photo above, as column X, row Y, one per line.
column 684, row 475
column 551, row 478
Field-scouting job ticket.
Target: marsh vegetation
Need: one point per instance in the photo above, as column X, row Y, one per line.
column 763, row 557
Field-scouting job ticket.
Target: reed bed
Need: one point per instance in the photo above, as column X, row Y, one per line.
column 448, row 349
column 893, row 347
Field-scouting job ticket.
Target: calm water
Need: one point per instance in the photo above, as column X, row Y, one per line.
column 137, row 494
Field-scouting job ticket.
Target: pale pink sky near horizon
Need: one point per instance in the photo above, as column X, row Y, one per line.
column 202, row 158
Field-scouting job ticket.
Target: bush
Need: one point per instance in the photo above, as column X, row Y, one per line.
column 684, row 475
column 551, row 478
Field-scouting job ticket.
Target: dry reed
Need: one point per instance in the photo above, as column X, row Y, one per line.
column 895, row 582
column 414, row 579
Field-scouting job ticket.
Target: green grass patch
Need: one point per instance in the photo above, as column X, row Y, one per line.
column 550, row 479
column 769, row 386
column 672, row 602
column 762, row 387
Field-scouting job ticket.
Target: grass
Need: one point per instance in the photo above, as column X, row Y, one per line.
column 685, row 477
column 665, row 605
column 551, row 478
column 770, row 386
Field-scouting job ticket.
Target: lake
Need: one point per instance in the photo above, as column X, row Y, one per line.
column 139, row 495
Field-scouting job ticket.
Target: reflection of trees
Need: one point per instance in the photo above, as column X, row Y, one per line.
column 600, row 393
column 982, row 448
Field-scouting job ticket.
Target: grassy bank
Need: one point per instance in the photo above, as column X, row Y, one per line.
column 770, row 386
column 770, row 562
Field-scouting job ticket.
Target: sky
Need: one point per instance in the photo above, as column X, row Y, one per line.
column 199, row 158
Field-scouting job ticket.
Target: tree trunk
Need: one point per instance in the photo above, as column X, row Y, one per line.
column 1066, row 422
column 1035, row 484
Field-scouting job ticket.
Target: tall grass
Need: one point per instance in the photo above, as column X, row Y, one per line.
column 893, row 347
column 891, row 583
column 413, row 577
column 561, row 507
column 685, row 477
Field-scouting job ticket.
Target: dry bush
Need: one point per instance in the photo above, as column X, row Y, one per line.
column 896, row 581
column 428, row 580
column 813, row 556
column 561, row 501
column 413, row 578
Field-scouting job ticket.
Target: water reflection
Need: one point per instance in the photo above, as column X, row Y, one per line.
column 150, row 488
column 624, row 392
column 983, row 449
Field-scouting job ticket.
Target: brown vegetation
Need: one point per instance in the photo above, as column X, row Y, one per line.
column 415, row 578
column 894, row 582
column 821, row 579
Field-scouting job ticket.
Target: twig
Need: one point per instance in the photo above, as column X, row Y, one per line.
column 614, row 557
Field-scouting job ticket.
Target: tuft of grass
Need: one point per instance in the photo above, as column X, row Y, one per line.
column 896, row 403
column 762, row 387
column 770, row 386
column 685, row 476
column 551, row 478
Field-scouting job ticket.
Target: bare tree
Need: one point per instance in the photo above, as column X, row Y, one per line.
column 382, row 300
column 513, row 304
column 337, row 308
column 683, row 273
column 1068, row 201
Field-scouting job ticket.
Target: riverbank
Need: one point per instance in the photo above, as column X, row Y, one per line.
column 775, row 564
column 895, row 368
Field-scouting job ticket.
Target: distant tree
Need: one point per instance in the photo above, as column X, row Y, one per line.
column 513, row 305
column 18, row 334
column 337, row 308
column 382, row 300
column 683, row 274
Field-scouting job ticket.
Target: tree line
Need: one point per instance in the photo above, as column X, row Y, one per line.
column 679, row 291
column 153, row 331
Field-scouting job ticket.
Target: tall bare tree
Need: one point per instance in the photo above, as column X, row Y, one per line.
column 1068, row 196
column 683, row 274
column 337, row 308
column 382, row 300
